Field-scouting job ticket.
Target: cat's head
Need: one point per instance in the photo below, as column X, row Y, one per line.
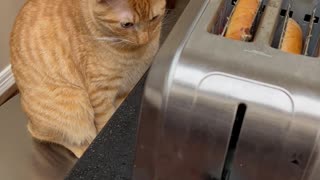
column 135, row 22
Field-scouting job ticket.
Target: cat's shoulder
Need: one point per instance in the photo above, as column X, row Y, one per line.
column 39, row 16
column 41, row 9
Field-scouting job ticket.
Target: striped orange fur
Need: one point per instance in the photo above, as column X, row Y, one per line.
column 75, row 61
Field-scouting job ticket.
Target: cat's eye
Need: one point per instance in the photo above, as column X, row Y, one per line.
column 127, row 25
column 155, row 17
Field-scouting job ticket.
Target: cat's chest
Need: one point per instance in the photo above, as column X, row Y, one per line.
column 124, row 72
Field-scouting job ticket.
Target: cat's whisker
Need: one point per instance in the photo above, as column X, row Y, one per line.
column 128, row 41
column 114, row 40
column 109, row 39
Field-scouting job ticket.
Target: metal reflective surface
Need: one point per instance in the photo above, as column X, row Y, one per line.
column 24, row 158
column 197, row 86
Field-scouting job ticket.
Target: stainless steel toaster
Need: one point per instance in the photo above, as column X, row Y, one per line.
column 220, row 109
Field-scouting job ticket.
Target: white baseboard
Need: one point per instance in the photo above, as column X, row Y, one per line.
column 6, row 80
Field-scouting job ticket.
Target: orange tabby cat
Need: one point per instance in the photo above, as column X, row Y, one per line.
column 75, row 61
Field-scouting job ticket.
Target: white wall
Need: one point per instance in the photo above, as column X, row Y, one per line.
column 8, row 12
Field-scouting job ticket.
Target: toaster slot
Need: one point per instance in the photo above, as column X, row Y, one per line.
column 236, row 129
column 306, row 14
column 223, row 21
column 311, row 33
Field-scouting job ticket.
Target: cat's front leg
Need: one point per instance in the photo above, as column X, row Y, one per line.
column 63, row 116
column 102, row 101
column 102, row 117
column 105, row 109
column 105, row 98
column 77, row 150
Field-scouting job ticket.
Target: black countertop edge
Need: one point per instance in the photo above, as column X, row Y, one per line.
column 111, row 155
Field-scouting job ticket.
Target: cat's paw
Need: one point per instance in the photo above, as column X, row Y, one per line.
column 78, row 150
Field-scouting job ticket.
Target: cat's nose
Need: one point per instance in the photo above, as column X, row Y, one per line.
column 143, row 38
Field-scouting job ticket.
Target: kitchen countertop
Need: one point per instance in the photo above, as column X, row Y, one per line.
column 110, row 156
